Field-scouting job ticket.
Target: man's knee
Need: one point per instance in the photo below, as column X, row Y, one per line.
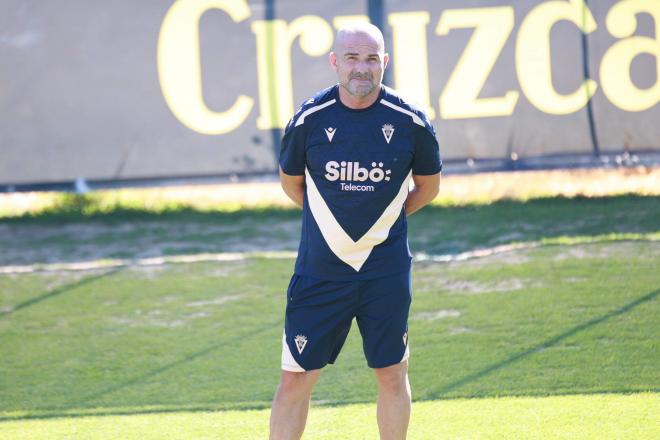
column 393, row 379
column 294, row 383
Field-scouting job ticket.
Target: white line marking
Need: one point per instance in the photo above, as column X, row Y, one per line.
column 281, row 255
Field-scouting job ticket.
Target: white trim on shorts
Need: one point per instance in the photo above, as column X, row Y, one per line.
column 288, row 362
column 406, row 354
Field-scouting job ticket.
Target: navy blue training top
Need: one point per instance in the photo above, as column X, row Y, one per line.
column 357, row 166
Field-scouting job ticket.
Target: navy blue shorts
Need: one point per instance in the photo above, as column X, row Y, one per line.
column 319, row 315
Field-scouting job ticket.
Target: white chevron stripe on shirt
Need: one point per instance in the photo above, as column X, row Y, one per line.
column 416, row 119
column 353, row 253
column 309, row 111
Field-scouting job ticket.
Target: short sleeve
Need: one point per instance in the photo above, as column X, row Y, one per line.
column 292, row 150
column 427, row 152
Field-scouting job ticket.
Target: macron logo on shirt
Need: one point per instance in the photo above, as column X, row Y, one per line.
column 330, row 132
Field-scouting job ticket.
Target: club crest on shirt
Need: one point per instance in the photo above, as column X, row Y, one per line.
column 300, row 341
column 388, row 131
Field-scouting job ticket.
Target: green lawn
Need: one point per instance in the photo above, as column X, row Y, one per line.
column 559, row 340
column 597, row 416
column 83, row 228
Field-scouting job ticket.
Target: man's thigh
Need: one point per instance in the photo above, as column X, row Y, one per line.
column 382, row 317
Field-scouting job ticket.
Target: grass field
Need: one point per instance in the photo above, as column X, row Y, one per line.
column 530, row 319
column 555, row 417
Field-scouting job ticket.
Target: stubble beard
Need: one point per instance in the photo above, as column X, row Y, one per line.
column 361, row 90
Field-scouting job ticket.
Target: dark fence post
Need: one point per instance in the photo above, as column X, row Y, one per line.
column 376, row 12
column 275, row 133
column 585, row 68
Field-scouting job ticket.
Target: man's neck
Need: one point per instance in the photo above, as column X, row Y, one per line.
column 358, row 102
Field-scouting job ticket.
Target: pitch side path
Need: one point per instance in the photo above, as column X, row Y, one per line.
column 534, row 319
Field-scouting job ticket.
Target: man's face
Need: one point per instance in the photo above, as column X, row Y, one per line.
column 359, row 64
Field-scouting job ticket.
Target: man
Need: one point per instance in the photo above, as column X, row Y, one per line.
column 346, row 158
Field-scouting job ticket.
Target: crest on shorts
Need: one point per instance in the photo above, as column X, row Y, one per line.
column 300, row 341
column 405, row 338
column 388, row 131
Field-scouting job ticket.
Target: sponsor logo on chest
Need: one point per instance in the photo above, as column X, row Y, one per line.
column 348, row 172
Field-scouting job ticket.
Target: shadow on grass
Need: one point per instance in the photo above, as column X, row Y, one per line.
column 243, row 406
column 57, row 292
column 144, row 377
column 543, row 345
column 70, row 412
column 439, row 230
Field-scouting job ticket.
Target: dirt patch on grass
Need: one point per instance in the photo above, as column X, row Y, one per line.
column 173, row 311
column 215, row 302
column 436, row 315
column 607, row 250
column 227, row 268
column 33, row 244
column 148, row 272
column 459, row 331
column 148, row 321
column 467, row 287
column 471, row 287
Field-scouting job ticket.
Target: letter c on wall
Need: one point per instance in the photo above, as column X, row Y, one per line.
column 180, row 71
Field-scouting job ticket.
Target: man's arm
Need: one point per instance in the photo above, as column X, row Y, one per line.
column 293, row 186
column 425, row 190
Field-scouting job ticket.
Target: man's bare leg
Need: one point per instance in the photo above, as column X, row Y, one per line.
column 291, row 404
column 393, row 401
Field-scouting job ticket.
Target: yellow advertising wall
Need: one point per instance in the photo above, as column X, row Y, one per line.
column 161, row 89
